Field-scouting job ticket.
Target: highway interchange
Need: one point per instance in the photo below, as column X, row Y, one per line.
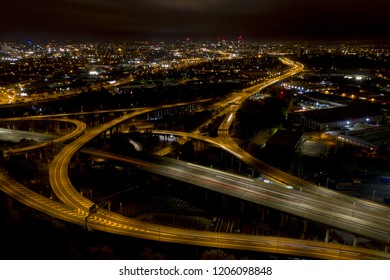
column 74, row 133
column 305, row 200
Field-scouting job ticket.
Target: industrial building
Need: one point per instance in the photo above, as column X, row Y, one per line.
column 338, row 117
column 372, row 138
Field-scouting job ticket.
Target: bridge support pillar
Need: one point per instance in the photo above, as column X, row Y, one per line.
column 223, row 198
column 386, row 248
column 32, row 128
column 104, row 136
column 253, row 173
column 57, row 128
column 96, row 119
column 282, row 220
column 327, row 235
column 354, row 241
column 304, row 226
column 262, row 214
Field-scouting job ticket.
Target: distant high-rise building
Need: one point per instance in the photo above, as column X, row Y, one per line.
column 240, row 41
column 300, row 51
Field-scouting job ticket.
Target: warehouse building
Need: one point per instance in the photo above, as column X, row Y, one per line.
column 338, row 117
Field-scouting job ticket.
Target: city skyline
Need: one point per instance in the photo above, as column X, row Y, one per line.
column 285, row 149
column 175, row 20
column 195, row 129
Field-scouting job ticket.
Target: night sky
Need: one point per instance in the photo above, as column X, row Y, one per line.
column 196, row 19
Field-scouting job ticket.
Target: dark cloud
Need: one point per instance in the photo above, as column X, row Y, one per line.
column 135, row 19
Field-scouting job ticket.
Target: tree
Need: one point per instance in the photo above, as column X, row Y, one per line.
column 216, row 254
column 25, row 142
column 148, row 254
column 175, row 149
column 132, row 129
column 256, row 115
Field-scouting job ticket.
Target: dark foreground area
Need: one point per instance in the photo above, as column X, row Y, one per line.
column 31, row 235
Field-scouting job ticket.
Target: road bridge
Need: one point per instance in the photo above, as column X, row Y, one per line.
column 108, row 221
column 75, row 127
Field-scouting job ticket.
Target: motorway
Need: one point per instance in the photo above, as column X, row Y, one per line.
column 328, row 211
column 80, row 128
column 58, row 172
column 377, row 212
column 66, row 192
column 108, row 221
column 14, row 136
column 111, row 222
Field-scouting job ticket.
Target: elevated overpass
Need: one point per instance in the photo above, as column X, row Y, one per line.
column 67, row 193
column 330, row 211
column 78, row 128
column 111, row 222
